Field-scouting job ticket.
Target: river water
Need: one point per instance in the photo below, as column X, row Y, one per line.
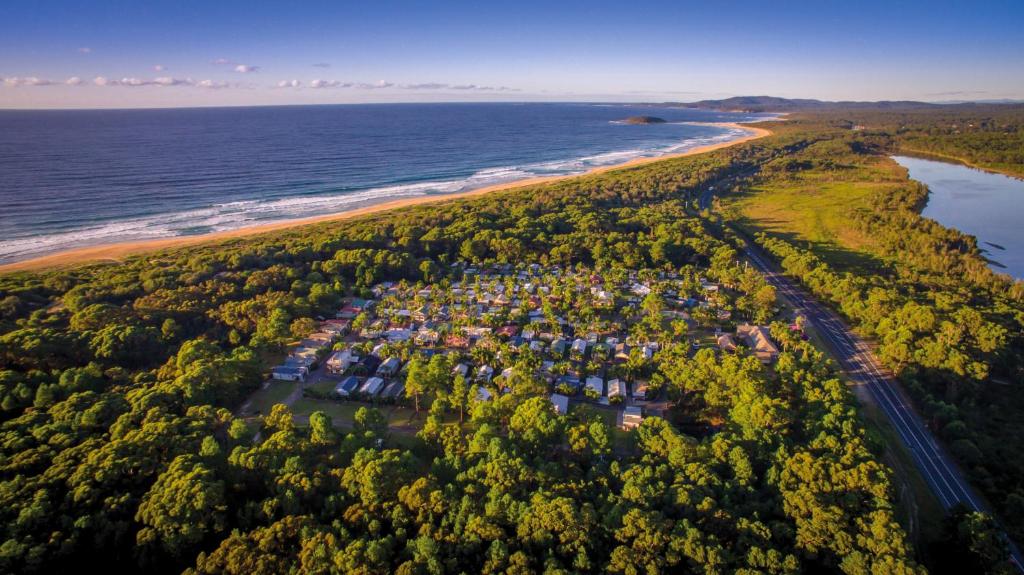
column 986, row 205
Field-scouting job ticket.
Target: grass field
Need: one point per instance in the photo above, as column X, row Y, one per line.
column 261, row 401
column 815, row 208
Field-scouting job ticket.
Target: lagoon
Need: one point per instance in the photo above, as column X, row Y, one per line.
column 986, row 205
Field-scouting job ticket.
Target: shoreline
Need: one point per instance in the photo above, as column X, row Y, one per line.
column 115, row 252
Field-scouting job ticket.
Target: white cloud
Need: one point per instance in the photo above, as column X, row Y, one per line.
column 169, row 81
column 85, row 50
column 73, row 81
column 375, row 86
column 289, row 84
column 246, row 69
column 329, row 84
column 382, row 84
column 27, row 81
column 211, row 84
column 161, row 81
column 425, row 86
column 159, row 68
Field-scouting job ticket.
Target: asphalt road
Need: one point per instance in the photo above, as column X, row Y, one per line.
column 854, row 356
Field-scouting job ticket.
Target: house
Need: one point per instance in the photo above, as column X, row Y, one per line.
column 632, row 417
column 393, row 389
column 427, row 337
column 726, row 343
column 484, row 373
column 579, row 348
column 483, row 394
column 348, row 312
column 560, row 402
column 456, row 341
column 570, row 381
column 616, row 388
column 368, row 364
column 622, row 351
column 640, row 390
column 389, row 368
column 596, row 384
column 398, row 334
column 337, row 327
column 759, row 341
column 461, row 369
column 372, row 386
column 304, row 361
column 558, row 347
column 318, row 340
column 508, row 331
column 346, row 386
column 289, row 373
column 339, row 361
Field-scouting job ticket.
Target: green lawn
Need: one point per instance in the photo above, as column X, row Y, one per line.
column 264, row 399
column 400, row 419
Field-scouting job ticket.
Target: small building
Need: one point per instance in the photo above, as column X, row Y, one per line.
column 632, row 417
column 616, row 388
column 726, row 343
column 289, row 373
column 596, row 384
column 369, row 364
column 484, row 373
column 507, row 331
column 622, row 351
column 394, row 389
column 346, row 386
column 560, row 402
column 389, row 368
column 759, row 341
column 579, row 348
column 558, row 347
column 483, row 394
column 461, row 369
column 640, row 390
column 340, row 361
column 372, row 386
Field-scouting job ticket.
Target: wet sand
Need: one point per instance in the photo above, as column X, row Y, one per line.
column 117, row 251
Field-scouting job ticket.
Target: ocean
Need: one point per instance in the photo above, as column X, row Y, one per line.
column 74, row 178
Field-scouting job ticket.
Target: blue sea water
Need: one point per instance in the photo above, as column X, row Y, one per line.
column 85, row 177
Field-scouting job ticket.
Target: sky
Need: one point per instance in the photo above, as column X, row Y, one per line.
column 156, row 53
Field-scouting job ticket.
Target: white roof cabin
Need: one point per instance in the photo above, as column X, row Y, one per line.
column 372, row 386
column 616, row 389
column 560, row 402
column 632, row 417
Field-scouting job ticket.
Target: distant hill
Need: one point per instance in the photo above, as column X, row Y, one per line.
column 774, row 104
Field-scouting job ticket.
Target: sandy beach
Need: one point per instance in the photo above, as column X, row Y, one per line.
column 117, row 251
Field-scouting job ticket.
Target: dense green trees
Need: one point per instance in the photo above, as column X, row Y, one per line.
column 116, row 444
